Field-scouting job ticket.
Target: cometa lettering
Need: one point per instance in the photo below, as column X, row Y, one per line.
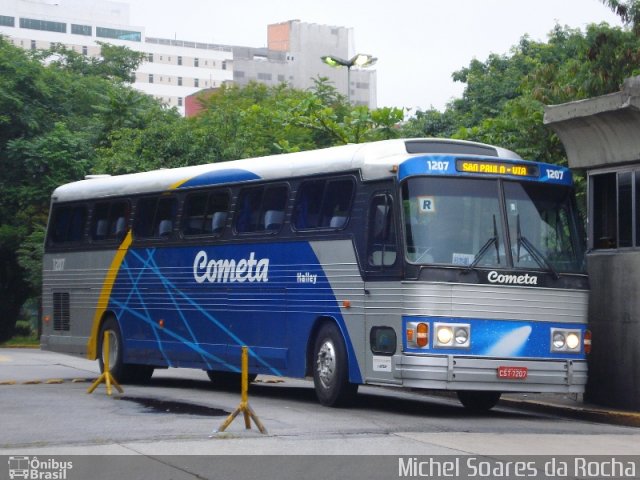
column 228, row 270
column 506, row 279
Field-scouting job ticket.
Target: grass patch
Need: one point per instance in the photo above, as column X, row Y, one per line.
column 22, row 341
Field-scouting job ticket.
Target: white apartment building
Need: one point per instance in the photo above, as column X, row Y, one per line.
column 173, row 70
column 176, row 69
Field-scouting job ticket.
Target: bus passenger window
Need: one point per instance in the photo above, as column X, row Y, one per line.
column 109, row 221
column 154, row 217
column 323, row 204
column 205, row 213
column 261, row 209
column 68, row 224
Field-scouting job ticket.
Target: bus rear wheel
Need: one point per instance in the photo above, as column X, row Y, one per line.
column 122, row 372
column 478, row 401
column 331, row 370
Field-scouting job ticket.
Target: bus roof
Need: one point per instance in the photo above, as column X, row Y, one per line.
column 374, row 160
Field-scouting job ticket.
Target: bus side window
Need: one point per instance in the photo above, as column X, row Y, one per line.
column 205, row 214
column 323, row 204
column 155, row 217
column 68, row 224
column 382, row 246
column 336, row 204
column 261, row 209
column 109, row 221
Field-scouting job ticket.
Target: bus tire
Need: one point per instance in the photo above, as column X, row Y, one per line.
column 122, row 372
column 331, row 369
column 228, row 380
column 478, row 401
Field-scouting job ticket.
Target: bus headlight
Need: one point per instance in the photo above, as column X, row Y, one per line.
column 563, row 340
column 573, row 341
column 453, row 335
column 444, row 334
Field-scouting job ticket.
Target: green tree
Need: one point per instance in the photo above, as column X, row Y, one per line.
column 56, row 109
column 504, row 98
column 628, row 11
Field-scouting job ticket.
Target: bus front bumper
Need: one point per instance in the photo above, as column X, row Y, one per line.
column 449, row 372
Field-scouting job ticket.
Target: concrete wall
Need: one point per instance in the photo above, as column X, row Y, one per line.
column 614, row 320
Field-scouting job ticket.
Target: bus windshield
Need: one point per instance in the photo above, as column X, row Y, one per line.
column 458, row 221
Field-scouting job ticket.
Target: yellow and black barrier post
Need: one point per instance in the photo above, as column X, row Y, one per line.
column 106, row 376
column 244, row 406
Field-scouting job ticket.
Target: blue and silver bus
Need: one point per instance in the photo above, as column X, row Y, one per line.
column 420, row 263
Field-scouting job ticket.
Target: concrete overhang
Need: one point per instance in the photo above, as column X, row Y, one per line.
column 601, row 131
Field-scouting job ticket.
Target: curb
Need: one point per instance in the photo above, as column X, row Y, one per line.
column 591, row 413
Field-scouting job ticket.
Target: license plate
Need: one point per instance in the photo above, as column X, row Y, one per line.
column 512, row 373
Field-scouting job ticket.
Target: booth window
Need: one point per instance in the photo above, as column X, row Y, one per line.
column 615, row 209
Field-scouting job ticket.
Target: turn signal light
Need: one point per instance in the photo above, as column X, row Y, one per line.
column 422, row 334
column 587, row 341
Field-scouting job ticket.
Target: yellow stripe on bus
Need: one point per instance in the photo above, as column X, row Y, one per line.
column 178, row 184
column 105, row 294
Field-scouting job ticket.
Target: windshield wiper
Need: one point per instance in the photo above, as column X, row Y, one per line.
column 491, row 241
column 536, row 254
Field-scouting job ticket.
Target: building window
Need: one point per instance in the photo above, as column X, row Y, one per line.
column 7, row 21
column 85, row 51
column 33, row 24
column 196, row 62
column 150, row 57
column 615, row 210
column 86, row 30
column 196, row 82
column 33, row 44
column 179, row 101
column 224, row 65
column 179, row 81
column 238, row 74
column 179, row 60
column 151, row 78
column 118, row 34
column 281, row 78
column 264, row 76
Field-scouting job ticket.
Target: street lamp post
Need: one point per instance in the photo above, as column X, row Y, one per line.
column 359, row 60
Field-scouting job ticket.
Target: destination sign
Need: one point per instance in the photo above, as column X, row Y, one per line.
column 488, row 167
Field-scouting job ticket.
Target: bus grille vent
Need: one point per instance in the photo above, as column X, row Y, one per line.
column 61, row 311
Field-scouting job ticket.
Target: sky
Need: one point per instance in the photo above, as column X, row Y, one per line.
column 418, row 43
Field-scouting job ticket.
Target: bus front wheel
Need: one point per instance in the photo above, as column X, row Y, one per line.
column 331, row 370
column 122, row 372
column 478, row 401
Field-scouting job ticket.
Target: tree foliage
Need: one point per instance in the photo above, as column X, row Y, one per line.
column 56, row 109
column 504, row 97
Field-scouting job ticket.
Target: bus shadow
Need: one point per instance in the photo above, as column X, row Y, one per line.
column 372, row 399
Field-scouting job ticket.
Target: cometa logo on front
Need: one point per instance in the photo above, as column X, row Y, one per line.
column 228, row 270
column 510, row 279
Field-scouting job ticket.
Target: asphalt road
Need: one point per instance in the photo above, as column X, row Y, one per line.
column 45, row 409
